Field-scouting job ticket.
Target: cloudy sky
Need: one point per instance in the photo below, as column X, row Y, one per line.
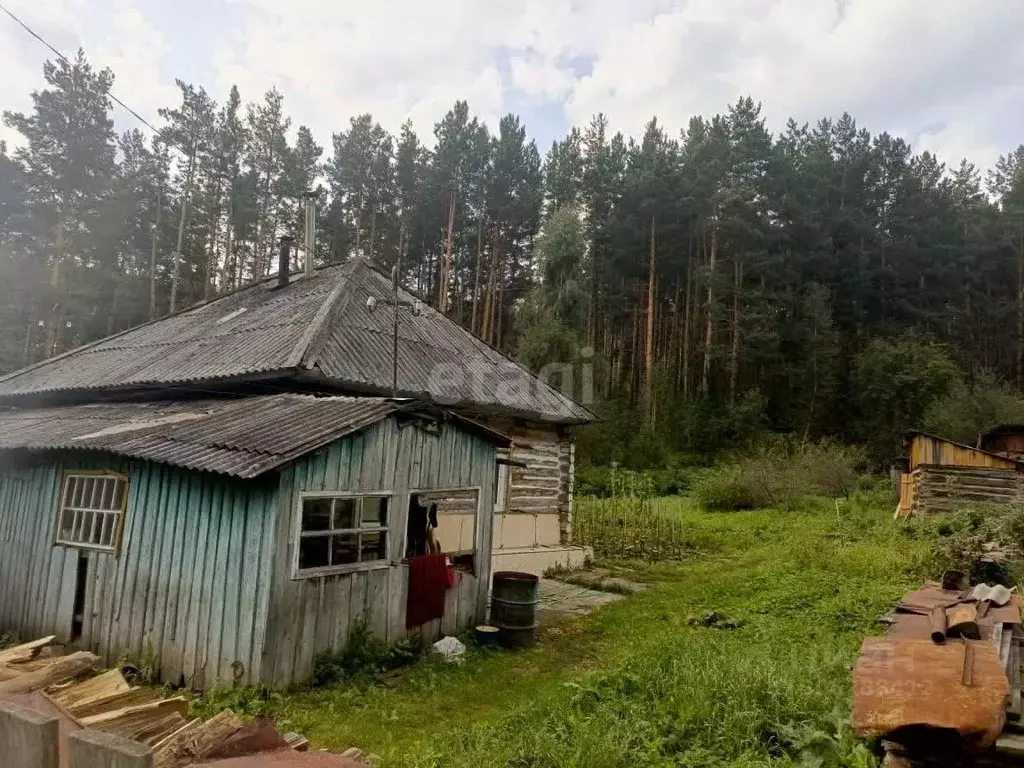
column 948, row 75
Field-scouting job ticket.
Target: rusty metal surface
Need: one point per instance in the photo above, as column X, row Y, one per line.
column 285, row 758
column 317, row 325
column 240, row 437
column 900, row 682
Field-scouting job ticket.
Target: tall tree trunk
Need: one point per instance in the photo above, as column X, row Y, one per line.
column 359, row 225
column 373, row 228
column 446, row 258
column 175, row 271
column 155, row 241
column 489, row 290
column 60, row 245
column 211, row 256
column 649, row 336
column 1020, row 310
column 234, row 277
column 115, row 307
column 709, row 332
column 686, row 321
column 476, row 277
column 734, row 356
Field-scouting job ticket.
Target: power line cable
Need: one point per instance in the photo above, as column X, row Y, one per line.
column 67, row 61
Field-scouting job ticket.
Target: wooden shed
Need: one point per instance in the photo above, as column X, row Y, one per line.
column 234, row 539
column 1006, row 440
column 942, row 473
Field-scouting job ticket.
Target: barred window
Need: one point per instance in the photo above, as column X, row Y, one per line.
column 91, row 510
column 341, row 533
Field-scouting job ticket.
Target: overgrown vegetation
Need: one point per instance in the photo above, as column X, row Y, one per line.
column 637, row 684
column 363, row 655
column 781, row 473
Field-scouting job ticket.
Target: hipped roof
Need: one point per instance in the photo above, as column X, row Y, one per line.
column 243, row 437
column 317, row 329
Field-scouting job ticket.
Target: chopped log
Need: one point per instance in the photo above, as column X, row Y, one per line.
column 133, row 697
column 172, row 750
column 937, row 619
column 63, row 668
column 213, row 733
column 108, row 721
column 25, row 651
column 296, row 741
column 157, row 730
column 79, row 696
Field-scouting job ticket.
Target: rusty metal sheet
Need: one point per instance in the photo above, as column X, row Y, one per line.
column 900, row 682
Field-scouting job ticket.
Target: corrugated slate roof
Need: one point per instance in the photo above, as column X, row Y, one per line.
column 317, row 325
column 241, row 437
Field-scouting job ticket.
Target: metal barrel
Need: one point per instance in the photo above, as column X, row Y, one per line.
column 514, row 599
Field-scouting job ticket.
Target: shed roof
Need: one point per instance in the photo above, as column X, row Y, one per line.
column 918, row 433
column 1004, row 429
column 318, row 328
column 242, row 437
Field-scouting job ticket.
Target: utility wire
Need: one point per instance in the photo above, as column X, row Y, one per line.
column 65, row 59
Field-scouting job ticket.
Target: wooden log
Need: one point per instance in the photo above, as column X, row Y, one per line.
column 133, row 697
column 213, row 733
column 25, row 651
column 77, row 697
column 63, row 668
column 172, row 750
column 108, row 721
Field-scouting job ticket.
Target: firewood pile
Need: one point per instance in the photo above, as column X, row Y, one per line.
column 38, row 675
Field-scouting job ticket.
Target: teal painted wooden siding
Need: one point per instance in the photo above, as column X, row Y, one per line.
column 203, row 581
column 310, row 615
column 190, row 584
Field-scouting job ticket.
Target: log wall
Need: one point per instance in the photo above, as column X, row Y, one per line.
column 948, row 488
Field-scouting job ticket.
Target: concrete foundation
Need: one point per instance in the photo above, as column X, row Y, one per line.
column 95, row 749
column 28, row 739
column 537, row 560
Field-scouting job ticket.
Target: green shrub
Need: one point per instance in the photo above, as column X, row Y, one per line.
column 781, row 473
column 363, row 655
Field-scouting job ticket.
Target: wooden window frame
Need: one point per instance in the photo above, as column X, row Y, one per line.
column 312, row 573
column 66, row 477
column 454, row 489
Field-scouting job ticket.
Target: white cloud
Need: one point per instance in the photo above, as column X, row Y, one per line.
column 900, row 67
column 944, row 75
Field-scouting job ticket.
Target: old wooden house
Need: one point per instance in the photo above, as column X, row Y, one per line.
column 943, row 474
column 228, row 489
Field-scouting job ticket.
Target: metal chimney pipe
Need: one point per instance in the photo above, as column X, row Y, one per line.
column 283, row 260
column 310, row 198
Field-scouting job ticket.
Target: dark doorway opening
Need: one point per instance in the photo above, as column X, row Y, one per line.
column 78, row 612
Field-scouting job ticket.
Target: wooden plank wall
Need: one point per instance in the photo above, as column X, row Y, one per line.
column 928, row 450
column 949, row 488
column 545, row 485
column 311, row 615
column 188, row 589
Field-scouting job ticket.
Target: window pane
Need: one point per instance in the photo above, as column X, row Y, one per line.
column 316, row 514
column 107, row 534
column 96, row 528
column 345, row 513
column 344, row 549
column 372, row 546
column 314, row 552
column 76, row 496
column 375, row 512
column 67, row 521
column 119, row 488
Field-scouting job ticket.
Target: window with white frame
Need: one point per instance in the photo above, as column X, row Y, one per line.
column 92, row 510
column 341, row 533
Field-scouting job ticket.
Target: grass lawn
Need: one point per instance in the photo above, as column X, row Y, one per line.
column 636, row 683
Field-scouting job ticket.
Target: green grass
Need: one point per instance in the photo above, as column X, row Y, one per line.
column 635, row 684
